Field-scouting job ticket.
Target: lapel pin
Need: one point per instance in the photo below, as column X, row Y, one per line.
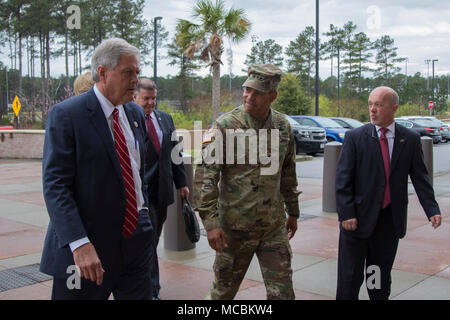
column 159, row 118
column 136, row 124
column 402, row 140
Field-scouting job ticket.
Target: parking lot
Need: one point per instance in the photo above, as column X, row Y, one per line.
column 314, row 168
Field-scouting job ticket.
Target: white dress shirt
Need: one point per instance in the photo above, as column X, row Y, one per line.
column 133, row 150
column 390, row 135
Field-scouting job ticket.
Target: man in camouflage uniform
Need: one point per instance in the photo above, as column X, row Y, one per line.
column 243, row 209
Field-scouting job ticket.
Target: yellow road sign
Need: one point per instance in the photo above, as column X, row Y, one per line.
column 16, row 106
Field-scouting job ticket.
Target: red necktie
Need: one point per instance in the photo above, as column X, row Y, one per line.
column 152, row 133
column 386, row 160
column 131, row 213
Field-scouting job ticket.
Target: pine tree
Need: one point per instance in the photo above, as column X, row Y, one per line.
column 386, row 57
column 300, row 56
column 187, row 67
column 129, row 24
column 267, row 51
column 332, row 48
column 350, row 61
column 362, row 45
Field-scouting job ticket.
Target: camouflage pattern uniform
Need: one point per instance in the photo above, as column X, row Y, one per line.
column 250, row 207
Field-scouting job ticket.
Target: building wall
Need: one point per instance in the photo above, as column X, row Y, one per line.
column 28, row 144
column 21, row 144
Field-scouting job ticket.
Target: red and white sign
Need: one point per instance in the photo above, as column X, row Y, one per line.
column 430, row 104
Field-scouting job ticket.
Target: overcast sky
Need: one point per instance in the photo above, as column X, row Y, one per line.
column 421, row 29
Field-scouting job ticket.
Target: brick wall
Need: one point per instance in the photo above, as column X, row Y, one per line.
column 21, row 144
column 28, row 144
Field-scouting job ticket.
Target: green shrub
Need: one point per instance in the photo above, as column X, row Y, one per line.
column 411, row 110
column 199, row 110
column 291, row 98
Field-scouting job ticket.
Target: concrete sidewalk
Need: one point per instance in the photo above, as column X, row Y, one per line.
column 421, row 269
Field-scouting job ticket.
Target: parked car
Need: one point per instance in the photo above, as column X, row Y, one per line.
column 422, row 127
column 444, row 130
column 436, row 123
column 309, row 140
column 334, row 131
column 347, row 123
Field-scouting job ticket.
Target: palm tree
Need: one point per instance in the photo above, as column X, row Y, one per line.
column 207, row 37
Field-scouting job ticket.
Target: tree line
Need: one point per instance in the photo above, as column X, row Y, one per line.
column 33, row 33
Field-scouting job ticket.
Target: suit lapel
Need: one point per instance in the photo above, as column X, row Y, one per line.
column 98, row 121
column 163, row 127
column 134, row 125
column 399, row 143
column 375, row 146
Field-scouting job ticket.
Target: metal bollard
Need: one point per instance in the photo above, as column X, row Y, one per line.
column 427, row 148
column 330, row 160
column 175, row 237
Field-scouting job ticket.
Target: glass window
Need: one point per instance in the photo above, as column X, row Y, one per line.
column 328, row 123
column 309, row 122
column 354, row 123
column 425, row 123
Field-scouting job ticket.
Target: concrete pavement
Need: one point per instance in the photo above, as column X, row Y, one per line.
column 421, row 269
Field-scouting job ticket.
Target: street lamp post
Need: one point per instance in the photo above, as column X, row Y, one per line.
column 155, row 45
column 448, row 87
column 427, row 61
column 339, row 81
column 432, row 88
column 406, row 70
column 7, row 90
column 317, row 57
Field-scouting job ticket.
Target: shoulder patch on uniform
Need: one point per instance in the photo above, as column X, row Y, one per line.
column 207, row 137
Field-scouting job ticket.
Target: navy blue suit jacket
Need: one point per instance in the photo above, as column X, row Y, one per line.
column 360, row 179
column 161, row 171
column 82, row 181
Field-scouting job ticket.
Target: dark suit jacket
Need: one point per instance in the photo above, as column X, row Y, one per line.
column 360, row 179
column 161, row 171
column 82, row 181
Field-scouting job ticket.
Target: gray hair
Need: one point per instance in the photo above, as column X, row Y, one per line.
column 145, row 84
column 393, row 93
column 108, row 54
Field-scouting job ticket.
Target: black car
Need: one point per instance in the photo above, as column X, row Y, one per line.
column 348, row 123
column 443, row 128
column 445, row 132
column 309, row 140
column 423, row 127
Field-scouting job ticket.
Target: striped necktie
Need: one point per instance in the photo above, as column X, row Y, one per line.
column 131, row 213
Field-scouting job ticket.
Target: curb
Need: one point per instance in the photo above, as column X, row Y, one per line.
column 299, row 158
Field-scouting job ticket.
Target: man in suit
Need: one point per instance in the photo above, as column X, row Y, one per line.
column 161, row 172
column 372, row 197
column 93, row 170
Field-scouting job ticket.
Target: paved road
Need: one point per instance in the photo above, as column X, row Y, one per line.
column 314, row 168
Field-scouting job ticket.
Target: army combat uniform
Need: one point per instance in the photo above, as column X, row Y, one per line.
column 248, row 205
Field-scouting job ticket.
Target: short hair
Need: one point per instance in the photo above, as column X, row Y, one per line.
column 392, row 92
column 108, row 54
column 83, row 83
column 146, row 84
